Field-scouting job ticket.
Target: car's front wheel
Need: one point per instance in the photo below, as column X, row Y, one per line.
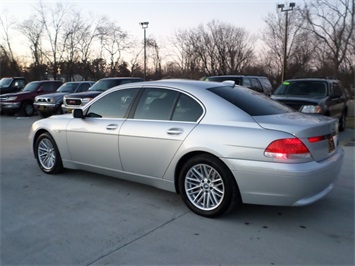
column 47, row 154
column 207, row 186
column 27, row 109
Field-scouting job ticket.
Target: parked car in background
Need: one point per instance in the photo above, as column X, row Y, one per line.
column 257, row 83
column 12, row 84
column 75, row 100
column 49, row 104
column 315, row 96
column 169, row 134
column 22, row 101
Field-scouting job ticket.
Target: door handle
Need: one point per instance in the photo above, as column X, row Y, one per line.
column 175, row 131
column 112, row 127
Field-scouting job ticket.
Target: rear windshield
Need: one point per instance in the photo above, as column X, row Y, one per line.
column 251, row 102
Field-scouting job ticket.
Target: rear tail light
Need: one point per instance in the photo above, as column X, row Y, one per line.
column 291, row 148
column 316, row 139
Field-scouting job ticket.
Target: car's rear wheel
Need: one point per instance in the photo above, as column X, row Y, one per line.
column 47, row 154
column 207, row 186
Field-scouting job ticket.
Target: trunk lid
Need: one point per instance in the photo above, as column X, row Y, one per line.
column 322, row 130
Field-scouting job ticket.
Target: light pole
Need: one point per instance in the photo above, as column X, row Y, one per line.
column 144, row 27
column 283, row 9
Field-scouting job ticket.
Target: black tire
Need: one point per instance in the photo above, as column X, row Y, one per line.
column 27, row 109
column 342, row 122
column 207, row 186
column 47, row 154
column 43, row 115
column 59, row 111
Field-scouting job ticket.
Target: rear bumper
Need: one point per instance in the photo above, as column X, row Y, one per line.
column 281, row 184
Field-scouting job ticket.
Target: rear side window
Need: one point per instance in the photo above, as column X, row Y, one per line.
column 156, row 104
column 251, row 102
column 169, row 105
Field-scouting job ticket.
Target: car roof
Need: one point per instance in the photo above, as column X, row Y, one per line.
column 182, row 83
column 236, row 76
column 82, row 81
column 121, row 78
column 41, row 81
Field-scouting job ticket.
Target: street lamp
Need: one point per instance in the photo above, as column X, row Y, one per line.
column 283, row 9
column 144, row 27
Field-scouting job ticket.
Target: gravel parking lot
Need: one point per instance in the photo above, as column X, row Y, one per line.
column 79, row 218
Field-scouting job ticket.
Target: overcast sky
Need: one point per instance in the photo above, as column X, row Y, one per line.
column 165, row 17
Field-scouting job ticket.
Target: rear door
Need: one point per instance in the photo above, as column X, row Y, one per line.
column 150, row 138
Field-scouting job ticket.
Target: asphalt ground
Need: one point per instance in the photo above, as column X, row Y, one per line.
column 80, row 218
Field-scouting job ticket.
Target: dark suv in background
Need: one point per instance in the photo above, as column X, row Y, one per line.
column 22, row 101
column 12, row 84
column 315, row 96
column 257, row 83
column 75, row 100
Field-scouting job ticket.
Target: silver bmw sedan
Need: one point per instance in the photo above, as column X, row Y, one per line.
column 216, row 144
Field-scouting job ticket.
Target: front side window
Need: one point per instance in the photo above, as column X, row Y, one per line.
column 47, row 87
column 246, row 83
column 336, row 90
column 255, row 85
column 113, row 105
column 83, row 87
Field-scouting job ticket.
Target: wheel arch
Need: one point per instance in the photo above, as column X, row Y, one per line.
column 187, row 157
column 35, row 137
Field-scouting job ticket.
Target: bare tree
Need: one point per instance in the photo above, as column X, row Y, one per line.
column 155, row 55
column 6, row 47
column 332, row 22
column 300, row 48
column 217, row 48
column 53, row 20
column 113, row 41
column 32, row 29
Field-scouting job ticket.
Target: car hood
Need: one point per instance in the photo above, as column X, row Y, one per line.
column 85, row 94
column 298, row 124
column 301, row 99
column 17, row 93
column 53, row 95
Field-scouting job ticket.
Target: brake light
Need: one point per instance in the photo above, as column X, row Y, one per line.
column 316, row 139
column 290, row 148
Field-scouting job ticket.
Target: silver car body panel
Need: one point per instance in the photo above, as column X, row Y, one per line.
column 149, row 151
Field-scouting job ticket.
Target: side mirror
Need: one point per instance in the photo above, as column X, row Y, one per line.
column 78, row 113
